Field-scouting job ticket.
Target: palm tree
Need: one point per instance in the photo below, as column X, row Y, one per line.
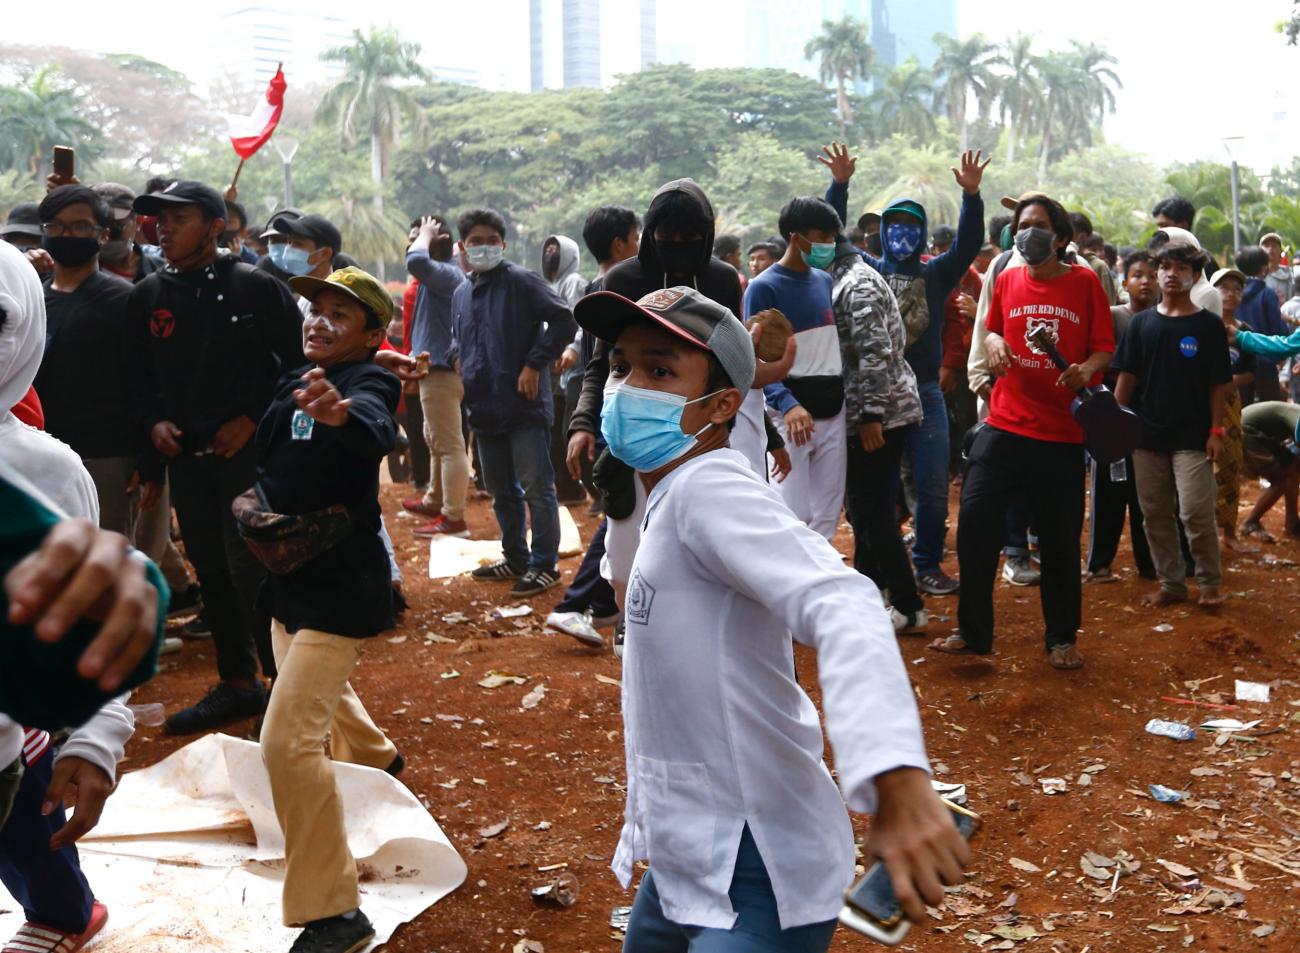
column 1061, row 93
column 1093, row 64
column 365, row 103
column 38, row 115
column 903, row 101
column 845, row 56
column 963, row 67
column 1020, row 91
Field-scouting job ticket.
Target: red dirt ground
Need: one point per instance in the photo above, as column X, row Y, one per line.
column 996, row 725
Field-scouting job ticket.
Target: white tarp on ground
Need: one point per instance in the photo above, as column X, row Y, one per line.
column 449, row 556
column 188, row 855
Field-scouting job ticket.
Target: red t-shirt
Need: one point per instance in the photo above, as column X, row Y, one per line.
column 1073, row 305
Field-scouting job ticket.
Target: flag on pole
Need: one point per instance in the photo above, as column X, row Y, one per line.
column 249, row 133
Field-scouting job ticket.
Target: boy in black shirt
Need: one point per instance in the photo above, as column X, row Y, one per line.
column 319, row 446
column 1174, row 370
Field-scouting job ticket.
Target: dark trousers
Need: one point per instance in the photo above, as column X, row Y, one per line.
column 566, row 487
column 413, row 424
column 963, row 413
column 48, row 884
column 871, row 501
column 1111, row 500
column 1005, row 467
column 589, row 589
column 202, row 490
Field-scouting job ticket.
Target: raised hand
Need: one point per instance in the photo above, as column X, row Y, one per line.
column 836, row 158
column 971, row 172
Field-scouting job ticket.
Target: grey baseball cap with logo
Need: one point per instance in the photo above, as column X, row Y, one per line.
column 682, row 312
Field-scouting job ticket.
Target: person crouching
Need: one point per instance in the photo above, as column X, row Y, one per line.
column 319, row 448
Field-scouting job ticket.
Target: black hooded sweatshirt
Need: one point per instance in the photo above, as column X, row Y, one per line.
column 637, row 277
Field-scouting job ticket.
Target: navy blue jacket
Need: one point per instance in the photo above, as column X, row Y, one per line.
column 501, row 321
column 941, row 273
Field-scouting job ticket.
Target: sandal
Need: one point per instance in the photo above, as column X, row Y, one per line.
column 1064, row 657
column 1258, row 532
column 954, row 645
column 1100, row 575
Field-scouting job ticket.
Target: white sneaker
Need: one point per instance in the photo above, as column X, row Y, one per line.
column 909, row 624
column 576, row 625
column 1020, row 571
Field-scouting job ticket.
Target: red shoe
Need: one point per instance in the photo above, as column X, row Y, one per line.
column 418, row 506
column 441, row 526
column 35, row 938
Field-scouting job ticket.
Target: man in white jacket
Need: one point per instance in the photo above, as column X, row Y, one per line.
column 38, row 862
column 728, row 795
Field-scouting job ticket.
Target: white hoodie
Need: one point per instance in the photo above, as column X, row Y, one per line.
column 52, row 472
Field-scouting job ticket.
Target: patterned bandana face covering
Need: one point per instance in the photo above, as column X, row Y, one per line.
column 902, row 239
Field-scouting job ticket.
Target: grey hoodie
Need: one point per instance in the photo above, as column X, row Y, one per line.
column 567, row 283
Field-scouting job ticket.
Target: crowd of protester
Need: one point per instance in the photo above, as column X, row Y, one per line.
column 218, row 395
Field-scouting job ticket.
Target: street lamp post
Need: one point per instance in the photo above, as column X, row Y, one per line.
column 287, row 146
column 1236, row 194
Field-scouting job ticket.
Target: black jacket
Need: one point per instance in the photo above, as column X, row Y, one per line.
column 207, row 346
column 637, row 277
column 304, row 466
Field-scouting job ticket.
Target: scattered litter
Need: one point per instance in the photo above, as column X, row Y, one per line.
column 562, row 891
column 1228, row 724
column 510, row 612
column 1178, row 870
column 1162, row 627
column 150, row 715
column 1202, row 772
column 495, row 679
column 1266, row 929
column 529, row 946
column 495, row 830
column 1053, row 785
column 542, row 826
column 1167, row 795
column 441, row 639
column 449, row 717
column 619, row 918
column 455, row 618
column 397, row 640
column 1016, row 933
column 1025, row 865
column 1170, row 729
column 534, row 698
column 1251, row 691
column 606, row 680
column 1198, row 704
column 445, row 676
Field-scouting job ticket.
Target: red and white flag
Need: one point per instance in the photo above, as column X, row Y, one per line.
column 249, row 133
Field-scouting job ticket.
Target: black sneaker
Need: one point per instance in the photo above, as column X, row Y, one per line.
column 937, row 583
column 398, row 764
column 535, row 581
column 221, row 706
column 197, row 628
column 186, row 603
column 498, row 571
column 335, row 935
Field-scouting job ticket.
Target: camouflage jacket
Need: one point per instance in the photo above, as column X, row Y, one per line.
column 878, row 382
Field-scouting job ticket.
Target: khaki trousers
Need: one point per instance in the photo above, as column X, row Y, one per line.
column 1182, row 483
column 311, row 698
column 440, row 396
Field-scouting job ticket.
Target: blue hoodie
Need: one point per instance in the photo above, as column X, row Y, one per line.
column 940, row 273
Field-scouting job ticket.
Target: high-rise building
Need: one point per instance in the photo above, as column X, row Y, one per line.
column 536, row 47
column 252, row 39
column 581, row 23
column 649, row 34
column 776, row 31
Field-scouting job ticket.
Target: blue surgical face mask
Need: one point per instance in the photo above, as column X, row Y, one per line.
column 484, row 257
column 821, row 256
column 294, row 261
column 275, row 251
column 644, row 427
column 902, row 239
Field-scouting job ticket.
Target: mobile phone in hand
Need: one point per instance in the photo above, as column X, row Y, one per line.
column 65, row 161
column 870, row 907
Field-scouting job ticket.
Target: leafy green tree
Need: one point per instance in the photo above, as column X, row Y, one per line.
column 1290, row 27
column 365, row 103
column 903, row 101
column 961, row 68
column 756, row 175
column 1020, row 91
column 844, row 56
column 925, row 174
column 39, row 114
column 16, row 187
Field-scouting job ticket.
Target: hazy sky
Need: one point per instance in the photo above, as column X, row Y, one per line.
column 1194, row 73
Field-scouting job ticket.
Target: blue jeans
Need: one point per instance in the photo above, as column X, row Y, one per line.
column 927, row 453
column 757, row 928
column 517, row 470
column 1020, row 535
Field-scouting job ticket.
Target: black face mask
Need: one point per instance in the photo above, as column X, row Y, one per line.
column 69, row 251
column 681, row 258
